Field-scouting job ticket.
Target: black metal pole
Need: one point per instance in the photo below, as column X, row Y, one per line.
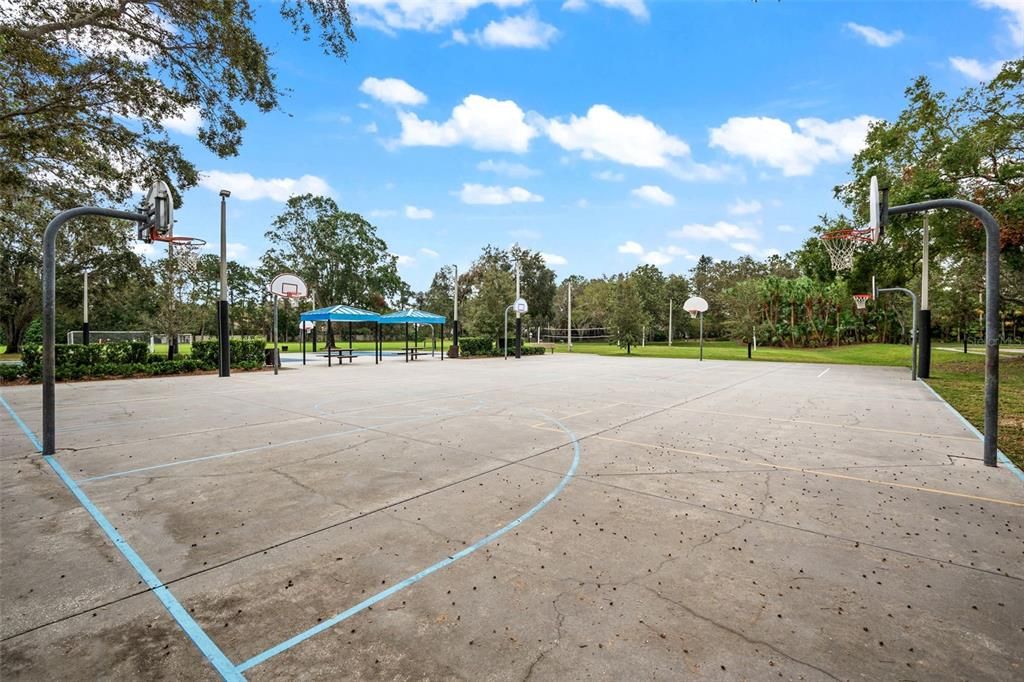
column 991, row 310
column 519, row 337
column 407, row 342
column 455, row 338
column 85, row 308
column 924, row 348
column 223, row 325
column 303, row 340
column 442, row 342
column 314, row 337
column 50, row 311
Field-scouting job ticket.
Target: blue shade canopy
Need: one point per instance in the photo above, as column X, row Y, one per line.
column 412, row 316
column 340, row 313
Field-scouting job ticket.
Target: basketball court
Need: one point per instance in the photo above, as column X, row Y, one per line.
column 556, row 517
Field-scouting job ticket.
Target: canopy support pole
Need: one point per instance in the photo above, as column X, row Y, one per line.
column 350, row 343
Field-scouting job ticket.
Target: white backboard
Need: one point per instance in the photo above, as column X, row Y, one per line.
column 520, row 306
column 695, row 304
column 288, row 285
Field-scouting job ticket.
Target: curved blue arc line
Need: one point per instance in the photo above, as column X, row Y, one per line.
column 447, row 561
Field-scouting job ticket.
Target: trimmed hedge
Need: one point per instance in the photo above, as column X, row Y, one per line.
column 244, row 352
column 476, row 345
column 479, row 346
column 126, row 358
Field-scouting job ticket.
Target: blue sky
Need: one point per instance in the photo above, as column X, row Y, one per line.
column 603, row 133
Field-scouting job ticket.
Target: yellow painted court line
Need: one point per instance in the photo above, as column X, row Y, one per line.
column 835, row 426
column 817, row 473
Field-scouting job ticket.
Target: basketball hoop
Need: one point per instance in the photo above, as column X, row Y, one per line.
column 861, row 300
column 842, row 244
column 175, row 240
column 695, row 305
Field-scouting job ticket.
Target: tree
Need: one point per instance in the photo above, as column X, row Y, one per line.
column 650, row 286
column 628, row 317
column 486, row 309
column 91, row 87
column 338, row 254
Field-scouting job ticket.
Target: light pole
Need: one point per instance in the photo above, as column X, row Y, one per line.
column 670, row 322
column 85, row 307
column 519, row 318
column 223, row 327
column 507, row 308
column 569, row 330
column 924, row 344
column 455, row 323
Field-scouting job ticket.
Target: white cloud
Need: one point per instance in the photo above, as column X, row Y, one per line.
column 459, row 36
column 429, row 252
column 404, row 260
column 749, row 249
column 525, row 31
column 187, row 123
column 654, row 195
column 784, row 228
column 875, row 36
column 418, row 15
column 370, row 127
column 637, row 8
column 975, row 70
column 773, row 142
column 236, row 251
column 495, row 195
column 392, row 91
column 610, row 176
column 1015, row 22
column 605, row 133
column 678, row 251
column 413, row 213
column 480, row 122
column 582, row 203
column 745, row 207
column 511, row 170
column 632, row 248
column 720, row 231
column 553, row 259
column 245, row 187
column 657, row 258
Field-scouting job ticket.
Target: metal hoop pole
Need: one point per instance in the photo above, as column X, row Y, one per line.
column 50, row 310
column 991, row 309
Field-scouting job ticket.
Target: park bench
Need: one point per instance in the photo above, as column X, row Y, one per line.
column 550, row 346
column 340, row 353
column 413, row 352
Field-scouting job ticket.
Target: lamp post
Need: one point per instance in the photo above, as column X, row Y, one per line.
column 223, row 327
column 519, row 318
column 569, row 330
column 455, row 323
column 924, row 343
column 85, row 307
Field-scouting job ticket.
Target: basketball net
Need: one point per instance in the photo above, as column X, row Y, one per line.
column 861, row 300
column 841, row 245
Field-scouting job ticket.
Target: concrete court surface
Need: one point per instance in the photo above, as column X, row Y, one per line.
column 558, row 517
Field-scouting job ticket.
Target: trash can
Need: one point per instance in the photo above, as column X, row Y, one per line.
column 268, row 355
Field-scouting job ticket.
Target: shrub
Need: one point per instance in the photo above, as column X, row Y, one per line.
column 11, row 372
column 476, row 345
column 206, row 352
column 533, row 350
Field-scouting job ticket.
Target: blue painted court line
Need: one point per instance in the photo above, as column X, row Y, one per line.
column 206, row 645
column 265, row 447
column 1003, row 459
column 398, row 587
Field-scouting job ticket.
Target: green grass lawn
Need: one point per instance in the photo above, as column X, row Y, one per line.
column 863, row 354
